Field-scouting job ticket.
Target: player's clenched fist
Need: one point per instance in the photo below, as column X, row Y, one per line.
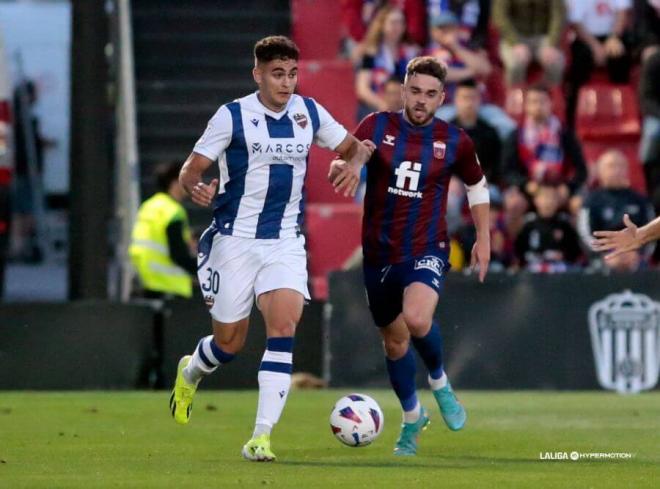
column 203, row 194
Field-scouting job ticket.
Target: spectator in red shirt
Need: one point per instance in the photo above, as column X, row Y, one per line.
column 542, row 150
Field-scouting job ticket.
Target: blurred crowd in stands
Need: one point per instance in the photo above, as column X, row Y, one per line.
column 517, row 77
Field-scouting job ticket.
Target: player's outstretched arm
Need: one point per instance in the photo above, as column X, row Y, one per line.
column 627, row 239
column 190, row 179
column 345, row 173
column 481, row 249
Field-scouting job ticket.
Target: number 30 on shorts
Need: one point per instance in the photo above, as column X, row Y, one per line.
column 212, row 283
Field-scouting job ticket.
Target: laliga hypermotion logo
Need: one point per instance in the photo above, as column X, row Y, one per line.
column 625, row 336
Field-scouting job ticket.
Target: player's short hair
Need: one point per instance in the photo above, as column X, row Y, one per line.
column 165, row 174
column 275, row 47
column 426, row 65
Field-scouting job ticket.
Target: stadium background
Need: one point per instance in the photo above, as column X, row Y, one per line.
column 68, row 322
column 186, row 61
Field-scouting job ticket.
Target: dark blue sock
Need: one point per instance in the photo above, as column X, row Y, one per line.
column 430, row 349
column 402, row 377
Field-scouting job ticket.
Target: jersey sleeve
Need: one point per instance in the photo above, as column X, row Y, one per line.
column 365, row 129
column 217, row 136
column 330, row 133
column 467, row 165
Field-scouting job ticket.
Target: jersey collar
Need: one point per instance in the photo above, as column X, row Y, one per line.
column 273, row 114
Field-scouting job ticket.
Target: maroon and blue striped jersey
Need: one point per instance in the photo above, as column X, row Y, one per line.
column 407, row 180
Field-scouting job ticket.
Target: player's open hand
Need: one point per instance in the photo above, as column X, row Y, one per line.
column 346, row 177
column 617, row 242
column 481, row 257
column 203, row 194
column 335, row 168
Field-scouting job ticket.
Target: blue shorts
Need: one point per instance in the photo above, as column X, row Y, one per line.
column 385, row 284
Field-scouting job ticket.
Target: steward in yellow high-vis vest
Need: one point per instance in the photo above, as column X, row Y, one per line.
column 161, row 235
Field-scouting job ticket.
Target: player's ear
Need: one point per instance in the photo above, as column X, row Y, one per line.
column 257, row 74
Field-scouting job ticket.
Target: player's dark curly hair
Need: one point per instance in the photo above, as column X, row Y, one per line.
column 275, row 47
column 427, row 65
column 165, row 174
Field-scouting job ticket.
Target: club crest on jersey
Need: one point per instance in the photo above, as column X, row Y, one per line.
column 301, row 120
column 439, row 149
column 430, row 262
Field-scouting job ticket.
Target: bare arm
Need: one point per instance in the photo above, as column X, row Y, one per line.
column 587, row 37
column 476, row 60
column 628, row 239
column 459, row 74
column 620, row 23
column 481, row 248
column 190, row 179
column 345, row 172
column 613, row 44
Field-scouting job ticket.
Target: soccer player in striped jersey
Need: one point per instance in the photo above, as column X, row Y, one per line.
column 254, row 246
column 404, row 236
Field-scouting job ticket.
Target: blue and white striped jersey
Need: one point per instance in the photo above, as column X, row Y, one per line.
column 263, row 160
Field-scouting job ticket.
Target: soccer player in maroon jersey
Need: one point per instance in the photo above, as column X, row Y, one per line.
column 404, row 236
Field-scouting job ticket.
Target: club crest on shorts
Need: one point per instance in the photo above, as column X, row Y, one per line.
column 432, row 263
column 301, row 120
column 625, row 337
column 439, row 149
column 209, row 300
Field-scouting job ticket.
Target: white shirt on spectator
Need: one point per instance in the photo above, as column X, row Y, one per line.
column 597, row 16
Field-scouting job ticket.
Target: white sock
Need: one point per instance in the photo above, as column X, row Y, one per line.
column 436, row 384
column 413, row 415
column 273, row 391
column 274, row 382
column 261, row 429
column 206, row 358
column 193, row 372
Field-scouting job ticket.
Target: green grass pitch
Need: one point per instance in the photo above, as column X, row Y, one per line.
column 128, row 439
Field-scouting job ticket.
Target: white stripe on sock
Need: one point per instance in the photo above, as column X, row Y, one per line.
column 206, row 346
column 278, row 356
column 436, row 384
column 413, row 415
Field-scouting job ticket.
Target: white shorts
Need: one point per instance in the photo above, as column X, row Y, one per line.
column 232, row 271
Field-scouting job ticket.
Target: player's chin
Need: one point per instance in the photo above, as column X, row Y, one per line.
column 283, row 97
column 421, row 117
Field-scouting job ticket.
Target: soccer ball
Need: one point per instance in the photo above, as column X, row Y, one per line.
column 356, row 420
